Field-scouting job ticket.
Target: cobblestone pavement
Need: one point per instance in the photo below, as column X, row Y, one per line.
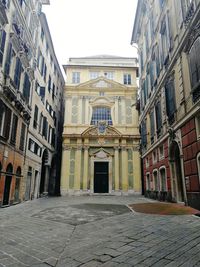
column 95, row 231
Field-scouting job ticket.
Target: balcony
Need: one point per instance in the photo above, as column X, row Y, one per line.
column 9, row 89
column 24, row 59
column 31, row 73
column 16, row 41
column 3, row 15
column 190, row 12
column 22, row 106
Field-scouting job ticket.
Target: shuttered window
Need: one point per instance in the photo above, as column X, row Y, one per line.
column 5, row 121
column 144, row 134
column 2, row 45
column 26, row 88
column 14, row 130
column 158, row 118
column 17, row 75
column 194, row 64
column 152, row 126
column 35, row 121
column 22, row 137
column 170, row 100
column 8, row 59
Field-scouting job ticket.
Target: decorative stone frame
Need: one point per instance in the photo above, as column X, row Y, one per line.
column 101, row 156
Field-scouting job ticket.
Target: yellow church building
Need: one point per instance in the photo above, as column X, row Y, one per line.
column 101, row 135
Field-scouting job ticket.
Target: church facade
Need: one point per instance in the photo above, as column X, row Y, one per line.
column 101, row 135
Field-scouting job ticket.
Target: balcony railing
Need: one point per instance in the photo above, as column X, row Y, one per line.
column 189, row 12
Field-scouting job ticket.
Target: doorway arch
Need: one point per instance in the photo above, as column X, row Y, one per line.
column 44, row 172
column 7, row 185
column 17, row 184
column 177, row 174
column 52, row 176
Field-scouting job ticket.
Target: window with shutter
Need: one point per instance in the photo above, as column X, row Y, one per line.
column 2, row 116
column 22, row 137
column 7, row 121
column 2, row 45
column 17, row 75
column 8, row 59
column 26, row 88
column 14, row 130
column 158, row 118
column 49, row 84
column 143, row 134
column 152, row 126
column 170, row 100
column 35, row 121
column 42, row 93
column 194, row 65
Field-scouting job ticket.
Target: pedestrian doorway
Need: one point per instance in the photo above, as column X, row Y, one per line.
column 100, row 177
column 177, row 172
column 8, row 180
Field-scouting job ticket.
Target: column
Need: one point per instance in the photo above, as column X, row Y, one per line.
column 124, row 167
column 136, row 170
column 117, row 168
column 65, row 168
column 116, row 111
column 87, row 111
column 85, row 172
column 77, row 182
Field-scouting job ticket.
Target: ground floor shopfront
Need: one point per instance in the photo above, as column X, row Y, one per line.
column 93, row 163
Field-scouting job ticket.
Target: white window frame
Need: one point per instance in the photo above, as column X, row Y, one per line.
column 161, row 156
column 197, row 122
column 155, row 171
column 94, row 75
column 155, row 156
column 109, row 75
column 147, row 162
column 148, row 181
column 160, row 178
column 2, row 123
column 75, row 77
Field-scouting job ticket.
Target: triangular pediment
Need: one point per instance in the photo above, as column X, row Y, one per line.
column 95, row 131
column 101, row 154
column 100, row 83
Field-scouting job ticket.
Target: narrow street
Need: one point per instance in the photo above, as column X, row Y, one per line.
column 95, row 231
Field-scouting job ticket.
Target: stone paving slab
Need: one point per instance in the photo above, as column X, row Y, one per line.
column 95, row 231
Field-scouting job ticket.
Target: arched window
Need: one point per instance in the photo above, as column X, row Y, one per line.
column 156, row 180
column 163, row 179
column 101, row 114
column 17, row 184
column 9, row 168
column 148, row 182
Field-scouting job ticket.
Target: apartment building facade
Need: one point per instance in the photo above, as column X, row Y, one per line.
column 45, row 132
column 20, row 26
column 168, row 37
column 101, row 135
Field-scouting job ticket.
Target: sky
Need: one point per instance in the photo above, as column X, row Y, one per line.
column 82, row 28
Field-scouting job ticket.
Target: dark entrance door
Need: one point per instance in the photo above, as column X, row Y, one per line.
column 101, row 177
column 7, row 190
